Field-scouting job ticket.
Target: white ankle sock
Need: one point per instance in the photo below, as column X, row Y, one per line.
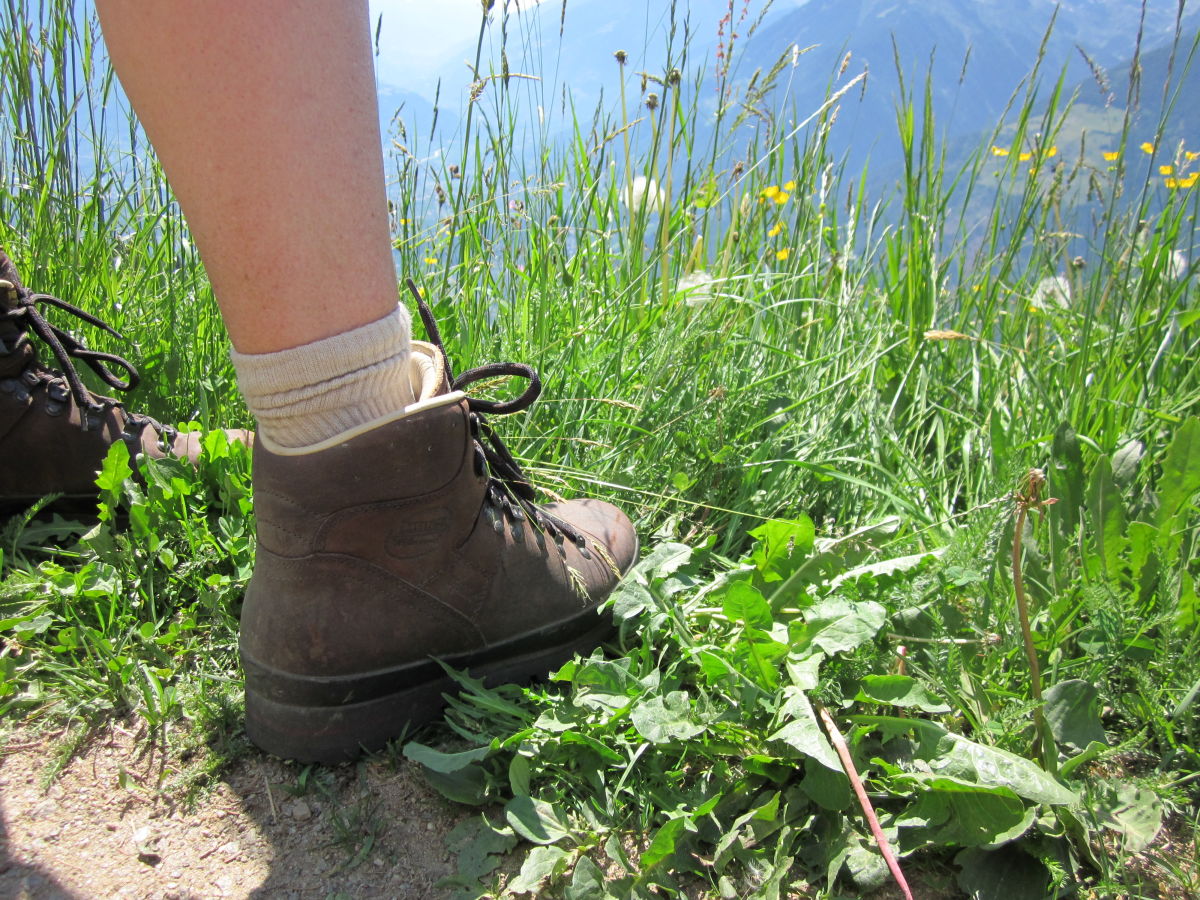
column 314, row 392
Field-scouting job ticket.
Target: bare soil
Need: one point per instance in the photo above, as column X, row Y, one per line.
column 121, row 819
column 113, row 823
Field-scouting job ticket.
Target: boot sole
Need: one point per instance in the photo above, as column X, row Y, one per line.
column 300, row 717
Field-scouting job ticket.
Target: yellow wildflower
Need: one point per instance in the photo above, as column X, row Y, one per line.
column 1025, row 157
column 775, row 229
column 783, row 254
column 1147, row 147
column 1190, row 181
column 1051, row 153
column 790, row 186
column 770, row 191
column 430, row 261
column 1166, row 170
column 1191, row 155
column 782, row 197
column 999, row 151
column 1110, row 155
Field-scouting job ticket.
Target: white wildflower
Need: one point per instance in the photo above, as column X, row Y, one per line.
column 696, row 287
column 644, row 192
column 1052, row 291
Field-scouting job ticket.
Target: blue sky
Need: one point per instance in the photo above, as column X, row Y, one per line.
column 419, row 38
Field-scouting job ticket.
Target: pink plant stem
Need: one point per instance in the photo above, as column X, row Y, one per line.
column 864, row 801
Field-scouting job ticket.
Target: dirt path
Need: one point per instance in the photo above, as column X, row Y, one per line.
column 267, row 829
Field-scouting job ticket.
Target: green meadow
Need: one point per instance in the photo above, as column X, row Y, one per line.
column 915, row 473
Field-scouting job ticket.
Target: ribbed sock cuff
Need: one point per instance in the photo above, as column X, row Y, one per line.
column 307, row 394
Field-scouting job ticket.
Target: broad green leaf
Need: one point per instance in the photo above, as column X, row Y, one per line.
column 661, row 720
column 781, row 547
column 1004, row 874
column 831, row 557
column 887, row 566
column 1066, row 479
column 743, row 604
column 1126, row 460
column 999, row 443
column 518, row 775
column 865, row 866
column 445, row 762
column 536, row 820
column 605, row 684
column 662, row 844
column 837, row 625
column 1133, row 811
column 630, row 598
column 478, row 847
column 1180, row 478
column 766, row 803
column 956, row 756
column 587, row 882
column 1143, row 561
column 662, row 561
column 1106, row 511
column 541, row 865
column 827, row 788
column 803, row 732
column 468, row 785
column 1187, row 610
column 899, row 690
column 1090, row 752
column 952, row 812
column 115, row 468
column 992, row 767
column 804, row 668
column 758, row 655
column 1073, row 712
column 606, row 753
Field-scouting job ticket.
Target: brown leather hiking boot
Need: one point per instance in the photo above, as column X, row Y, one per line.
column 411, row 540
column 56, row 428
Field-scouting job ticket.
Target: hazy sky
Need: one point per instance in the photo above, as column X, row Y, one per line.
column 419, row 36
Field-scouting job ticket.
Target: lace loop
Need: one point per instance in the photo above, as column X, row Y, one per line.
column 26, row 316
column 509, row 490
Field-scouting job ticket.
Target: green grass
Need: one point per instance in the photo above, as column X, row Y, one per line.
column 859, row 379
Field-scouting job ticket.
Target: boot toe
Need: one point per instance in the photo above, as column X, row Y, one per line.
column 605, row 523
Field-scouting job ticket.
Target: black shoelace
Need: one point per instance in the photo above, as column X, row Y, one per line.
column 509, row 490
column 26, row 317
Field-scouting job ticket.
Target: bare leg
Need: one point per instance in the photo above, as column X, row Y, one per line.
column 264, row 115
column 386, row 533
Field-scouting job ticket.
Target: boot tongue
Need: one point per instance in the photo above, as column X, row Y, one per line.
column 426, row 372
column 14, row 353
column 10, row 282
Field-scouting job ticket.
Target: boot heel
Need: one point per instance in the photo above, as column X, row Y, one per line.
column 337, row 734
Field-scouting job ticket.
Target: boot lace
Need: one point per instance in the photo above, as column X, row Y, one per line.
column 510, row 495
column 25, row 316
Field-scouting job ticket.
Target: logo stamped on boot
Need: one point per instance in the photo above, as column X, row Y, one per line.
column 417, row 534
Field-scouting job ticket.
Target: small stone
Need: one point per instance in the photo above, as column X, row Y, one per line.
column 229, row 851
column 144, row 840
column 301, row 811
column 429, row 826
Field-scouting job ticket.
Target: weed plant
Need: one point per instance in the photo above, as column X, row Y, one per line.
column 816, row 403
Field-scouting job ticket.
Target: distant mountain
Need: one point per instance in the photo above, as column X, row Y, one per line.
column 975, row 53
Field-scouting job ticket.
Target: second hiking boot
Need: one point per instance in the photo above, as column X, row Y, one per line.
column 54, row 432
column 411, row 540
